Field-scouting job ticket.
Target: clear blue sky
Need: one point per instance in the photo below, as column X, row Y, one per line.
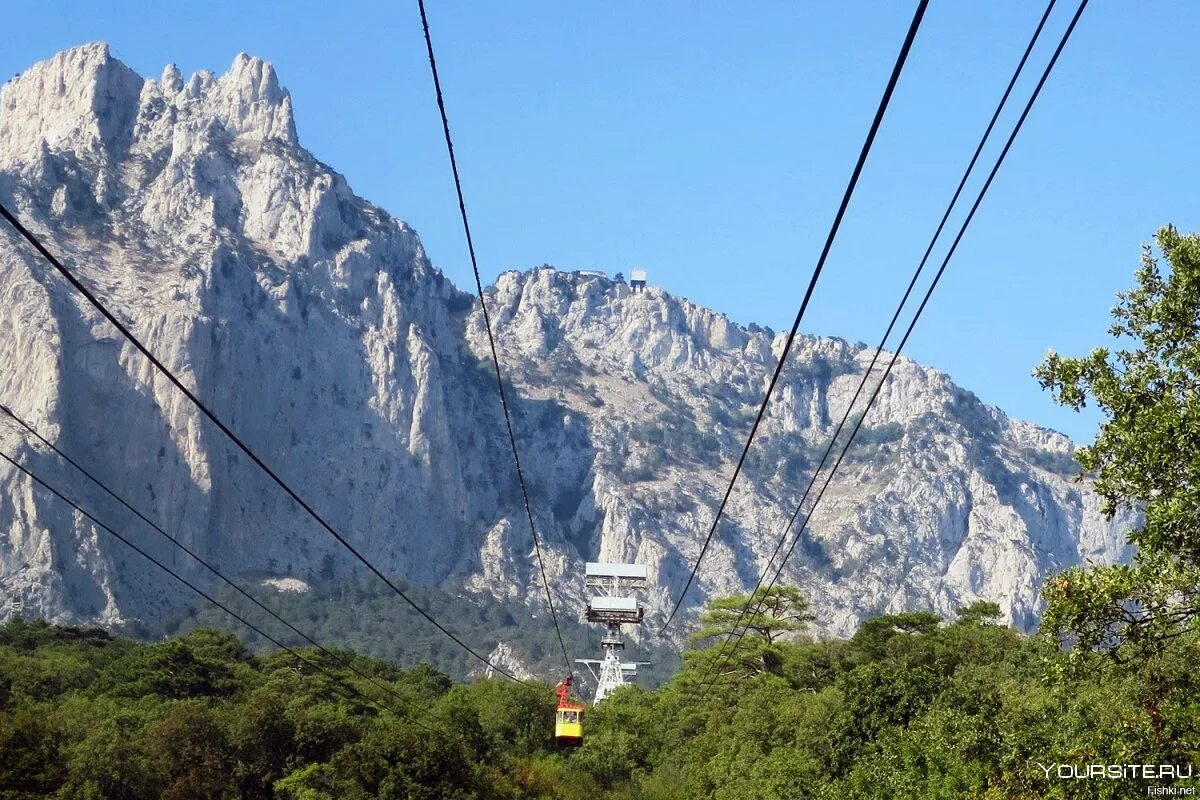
column 710, row 143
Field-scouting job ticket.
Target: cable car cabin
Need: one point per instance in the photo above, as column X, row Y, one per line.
column 568, row 717
column 568, row 726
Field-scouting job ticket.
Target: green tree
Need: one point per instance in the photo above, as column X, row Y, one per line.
column 262, row 738
column 774, row 613
column 510, row 717
column 198, row 756
column 880, row 638
column 31, row 763
column 111, row 762
column 981, row 612
column 202, row 663
column 1146, row 456
column 393, row 762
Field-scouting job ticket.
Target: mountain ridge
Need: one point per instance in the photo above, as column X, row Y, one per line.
column 315, row 324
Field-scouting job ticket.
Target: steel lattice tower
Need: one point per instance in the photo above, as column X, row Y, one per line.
column 613, row 605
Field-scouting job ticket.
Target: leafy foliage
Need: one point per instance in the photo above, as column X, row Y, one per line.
column 911, row 706
column 753, row 628
column 1144, row 456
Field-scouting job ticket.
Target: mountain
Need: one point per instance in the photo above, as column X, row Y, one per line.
column 314, row 323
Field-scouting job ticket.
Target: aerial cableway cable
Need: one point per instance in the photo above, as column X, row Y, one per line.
column 891, row 326
column 291, row 651
column 233, row 437
column 487, row 322
column 812, row 285
column 920, row 309
column 340, row 660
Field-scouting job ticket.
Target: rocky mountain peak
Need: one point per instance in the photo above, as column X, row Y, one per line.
column 604, row 322
column 249, row 100
column 86, row 101
column 81, row 99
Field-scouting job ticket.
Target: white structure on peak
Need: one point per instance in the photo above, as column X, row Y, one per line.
column 637, row 280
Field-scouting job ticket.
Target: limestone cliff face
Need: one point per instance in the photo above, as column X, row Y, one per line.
column 941, row 501
column 314, row 324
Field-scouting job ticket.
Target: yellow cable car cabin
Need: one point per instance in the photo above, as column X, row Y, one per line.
column 568, row 725
column 568, row 717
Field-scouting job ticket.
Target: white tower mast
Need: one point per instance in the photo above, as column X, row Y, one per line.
column 614, row 605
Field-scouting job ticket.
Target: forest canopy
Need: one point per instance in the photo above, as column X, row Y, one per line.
column 911, row 706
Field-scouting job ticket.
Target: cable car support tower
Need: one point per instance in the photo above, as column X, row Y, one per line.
column 613, row 605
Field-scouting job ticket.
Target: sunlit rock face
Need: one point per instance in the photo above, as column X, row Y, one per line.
column 314, row 324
